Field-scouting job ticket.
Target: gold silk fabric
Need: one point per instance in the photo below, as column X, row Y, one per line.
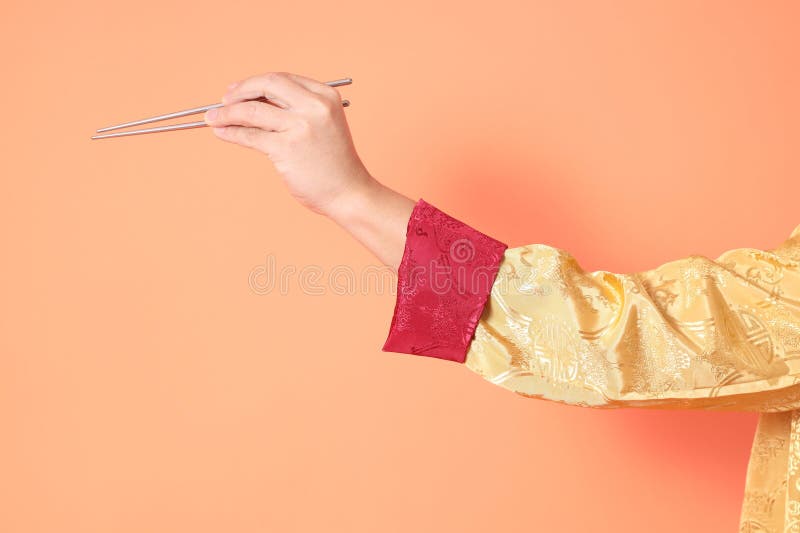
column 694, row 333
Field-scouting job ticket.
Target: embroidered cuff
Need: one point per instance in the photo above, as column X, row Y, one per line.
column 443, row 281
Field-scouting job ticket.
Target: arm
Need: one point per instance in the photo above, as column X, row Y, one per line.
column 696, row 332
column 693, row 333
column 377, row 217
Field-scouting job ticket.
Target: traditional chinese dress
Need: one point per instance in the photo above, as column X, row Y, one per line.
column 694, row 333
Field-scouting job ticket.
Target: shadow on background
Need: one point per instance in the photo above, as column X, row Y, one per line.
column 520, row 200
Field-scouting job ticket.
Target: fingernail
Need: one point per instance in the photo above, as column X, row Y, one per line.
column 211, row 114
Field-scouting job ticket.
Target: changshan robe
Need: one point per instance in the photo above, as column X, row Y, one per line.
column 693, row 333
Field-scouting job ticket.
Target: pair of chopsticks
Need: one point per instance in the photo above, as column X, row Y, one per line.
column 185, row 125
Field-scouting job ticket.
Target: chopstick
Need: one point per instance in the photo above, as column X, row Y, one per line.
column 186, row 125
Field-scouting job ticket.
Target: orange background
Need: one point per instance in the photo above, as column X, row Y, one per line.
column 144, row 387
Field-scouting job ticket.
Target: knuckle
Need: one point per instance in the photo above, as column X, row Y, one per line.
column 322, row 107
column 332, row 93
column 243, row 136
column 250, row 136
column 232, row 133
column 250, row 111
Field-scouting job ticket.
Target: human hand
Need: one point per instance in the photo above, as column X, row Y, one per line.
column 302, row 129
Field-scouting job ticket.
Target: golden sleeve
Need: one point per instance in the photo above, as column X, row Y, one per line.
column 694, row 333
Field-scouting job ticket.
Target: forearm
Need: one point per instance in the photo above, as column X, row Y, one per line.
column 376, row 216
column 693, row 333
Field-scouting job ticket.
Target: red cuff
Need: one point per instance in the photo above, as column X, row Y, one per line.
column 443, row 281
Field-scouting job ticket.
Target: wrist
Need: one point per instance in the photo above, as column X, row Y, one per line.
column 354, row 201
column 375, row 215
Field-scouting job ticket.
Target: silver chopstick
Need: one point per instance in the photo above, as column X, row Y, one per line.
column 177, row 114
column 185, row 126
column 168, row 116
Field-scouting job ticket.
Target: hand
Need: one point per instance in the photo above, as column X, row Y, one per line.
column 302, row 128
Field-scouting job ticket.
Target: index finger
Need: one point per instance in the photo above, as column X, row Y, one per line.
column 275, row 86
column 315, row 86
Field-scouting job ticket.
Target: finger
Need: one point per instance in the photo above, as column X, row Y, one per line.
column 315, row 86
column 250, row 113
column 244, row 136
column 261, row 99
column 276, row 86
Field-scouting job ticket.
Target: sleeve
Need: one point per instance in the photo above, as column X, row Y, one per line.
column 443, row 281
column 693, row 333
